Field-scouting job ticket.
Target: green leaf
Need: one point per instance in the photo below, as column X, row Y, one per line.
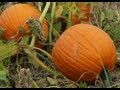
column 48, row 17
column 7, row 50
column 1, row 6
column 102, row 16
column 1, row 42
column 57, row 29
column 69, row 23
column 3, row 72
column 65, row 12
column 56, row 34
column 58, row 26
column 110, row 14
column 106, row 27
column 58, row 12
column 3, row 75
column 116, row 33
column 82, row 85
column 25, row 40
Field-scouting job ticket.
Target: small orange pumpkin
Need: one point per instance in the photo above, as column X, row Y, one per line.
column 82, row 51
column 17, row 15
column 85, row 10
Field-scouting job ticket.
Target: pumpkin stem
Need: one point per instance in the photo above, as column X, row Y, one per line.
column 40, row 19
column 44, row 11
column 43, row 51
column 39, row 6
column 32, row 55
column 32, row 41
column 51, row 23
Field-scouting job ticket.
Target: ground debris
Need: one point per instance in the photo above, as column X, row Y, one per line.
column 23, row 79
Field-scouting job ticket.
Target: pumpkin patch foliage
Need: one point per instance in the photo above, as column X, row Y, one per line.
column 59, row 44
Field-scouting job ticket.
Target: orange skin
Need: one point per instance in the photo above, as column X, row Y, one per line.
column 17, row 15
column 82, row 51
column 85, row 10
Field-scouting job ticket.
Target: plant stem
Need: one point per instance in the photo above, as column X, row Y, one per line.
column 54, row 30
column 40, row 19
column 44, row 11
column 43, row 51
column 69, row 23
column 39, row 6
column 32, row 55
column 35, row 84
column 51, row 23
column 32, row 41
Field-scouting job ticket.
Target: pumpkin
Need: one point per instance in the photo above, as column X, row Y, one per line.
column 82, row 52
column 17, row 15
column 85, row 11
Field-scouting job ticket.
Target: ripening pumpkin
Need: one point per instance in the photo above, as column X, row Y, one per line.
column 17, row 15
column 85, row 11
column 82, row 52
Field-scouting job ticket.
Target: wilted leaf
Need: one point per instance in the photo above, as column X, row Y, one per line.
column 52, row 81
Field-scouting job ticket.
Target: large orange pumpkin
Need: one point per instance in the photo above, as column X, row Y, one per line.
column 17, row 15
column 82, row 52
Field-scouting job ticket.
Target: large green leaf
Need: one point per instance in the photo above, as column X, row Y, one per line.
column 7, row 50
